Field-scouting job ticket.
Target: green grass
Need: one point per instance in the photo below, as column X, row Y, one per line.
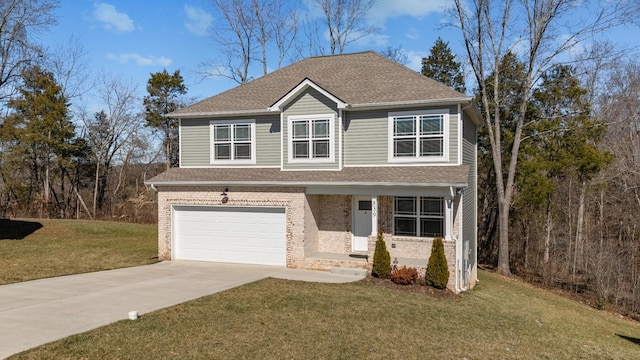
column 279, row 319
column 39, row 248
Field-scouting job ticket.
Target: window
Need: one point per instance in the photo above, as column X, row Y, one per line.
column 233, row 141
column 418, row 136
column 311, row 138
column 418, row 216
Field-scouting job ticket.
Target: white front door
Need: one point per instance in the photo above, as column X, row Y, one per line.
column 361, row 222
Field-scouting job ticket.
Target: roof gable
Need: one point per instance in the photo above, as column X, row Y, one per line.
column 302, row 87
column 359, row 80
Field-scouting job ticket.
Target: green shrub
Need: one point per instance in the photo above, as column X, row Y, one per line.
column 404, row 276
column 437, row 274
column 381, row 259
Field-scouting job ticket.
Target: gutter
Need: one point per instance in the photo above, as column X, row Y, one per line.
column 365, row 106
column 298, row 183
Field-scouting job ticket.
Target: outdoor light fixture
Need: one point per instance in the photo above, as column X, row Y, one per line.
column 225, row 198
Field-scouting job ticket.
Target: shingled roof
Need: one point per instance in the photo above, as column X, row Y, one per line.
column 359, row 79
column 455, row 176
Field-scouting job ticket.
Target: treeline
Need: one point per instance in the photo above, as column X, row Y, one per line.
column 52, row 168
column 574, row 217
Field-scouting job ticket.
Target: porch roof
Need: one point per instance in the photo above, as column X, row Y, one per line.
column 414, row 176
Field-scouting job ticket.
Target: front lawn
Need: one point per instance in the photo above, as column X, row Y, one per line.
column 279, row 319
column 39, row 248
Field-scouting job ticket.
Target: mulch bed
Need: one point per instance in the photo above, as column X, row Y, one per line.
column 413, row 288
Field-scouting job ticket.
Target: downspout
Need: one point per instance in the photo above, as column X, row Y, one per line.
column 341, row 129
column 457, row 250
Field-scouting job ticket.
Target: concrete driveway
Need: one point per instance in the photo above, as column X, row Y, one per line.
column 36, row 312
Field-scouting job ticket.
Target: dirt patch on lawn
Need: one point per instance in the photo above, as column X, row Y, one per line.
column 416, row 288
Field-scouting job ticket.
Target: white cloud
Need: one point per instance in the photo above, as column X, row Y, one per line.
column 198, row 20
column 139, row 59
column 373, row 40
column 415, row 59
column 413, row 34
column 111, row 19
column 384, row 9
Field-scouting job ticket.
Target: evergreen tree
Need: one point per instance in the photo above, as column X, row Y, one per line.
column 561, row 142
column 381, row 259
column 441, row 65
column 437, row 274
column 38, row 132
column 165, row 91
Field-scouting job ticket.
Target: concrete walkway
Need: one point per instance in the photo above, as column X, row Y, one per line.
column 36, row 312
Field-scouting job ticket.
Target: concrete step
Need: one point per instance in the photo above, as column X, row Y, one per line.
column 349, row 271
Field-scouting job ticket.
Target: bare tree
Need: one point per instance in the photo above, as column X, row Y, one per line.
column 397, row 54
column 250, row 28
column 346, row 22
column 284, row 30
column 112, row 130
column 69, row 65
column 544, row 30
column 20, row 20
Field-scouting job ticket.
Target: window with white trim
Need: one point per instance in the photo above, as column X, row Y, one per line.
column 418, row 216
column 311, row 138
column 233, row 141
column 420, row 135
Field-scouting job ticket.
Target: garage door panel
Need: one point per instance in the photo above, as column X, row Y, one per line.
column 251, row 235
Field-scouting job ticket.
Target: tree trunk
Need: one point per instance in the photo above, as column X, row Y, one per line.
column 548, row 229
column 95, row 187
column 503, row 250
column 579, row 226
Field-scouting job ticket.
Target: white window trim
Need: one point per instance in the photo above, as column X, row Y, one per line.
column 212, row 159
column 422, row 159
column 332, row 138
column 417, row 216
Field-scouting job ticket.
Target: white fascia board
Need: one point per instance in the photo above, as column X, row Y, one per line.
column 304, row 85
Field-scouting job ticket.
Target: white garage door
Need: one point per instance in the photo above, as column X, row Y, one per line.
column 249, row 235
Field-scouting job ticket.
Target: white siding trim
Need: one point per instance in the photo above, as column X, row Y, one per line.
column 340, row 131
column 180, row 142
column 282, row 141
column 460, row 133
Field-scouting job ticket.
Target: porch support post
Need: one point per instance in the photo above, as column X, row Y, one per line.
column 448, row 214
column 374, row 215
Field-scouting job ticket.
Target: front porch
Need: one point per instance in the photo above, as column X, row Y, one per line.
column 340, row 231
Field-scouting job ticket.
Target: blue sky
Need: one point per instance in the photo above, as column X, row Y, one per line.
column 132, row 39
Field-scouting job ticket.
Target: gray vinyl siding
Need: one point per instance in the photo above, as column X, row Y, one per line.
column 454, row 126
column 366, row 138
column 469, row 229
column 311, row 102
column 196, row 141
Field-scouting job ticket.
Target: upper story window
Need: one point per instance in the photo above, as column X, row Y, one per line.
column 418, row 136
column 233, row 141
column 311, row 138
column 418, row 216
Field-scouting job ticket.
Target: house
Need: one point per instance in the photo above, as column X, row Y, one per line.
column 302, row 167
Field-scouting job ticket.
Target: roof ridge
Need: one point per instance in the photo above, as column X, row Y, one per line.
column 342, row 54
